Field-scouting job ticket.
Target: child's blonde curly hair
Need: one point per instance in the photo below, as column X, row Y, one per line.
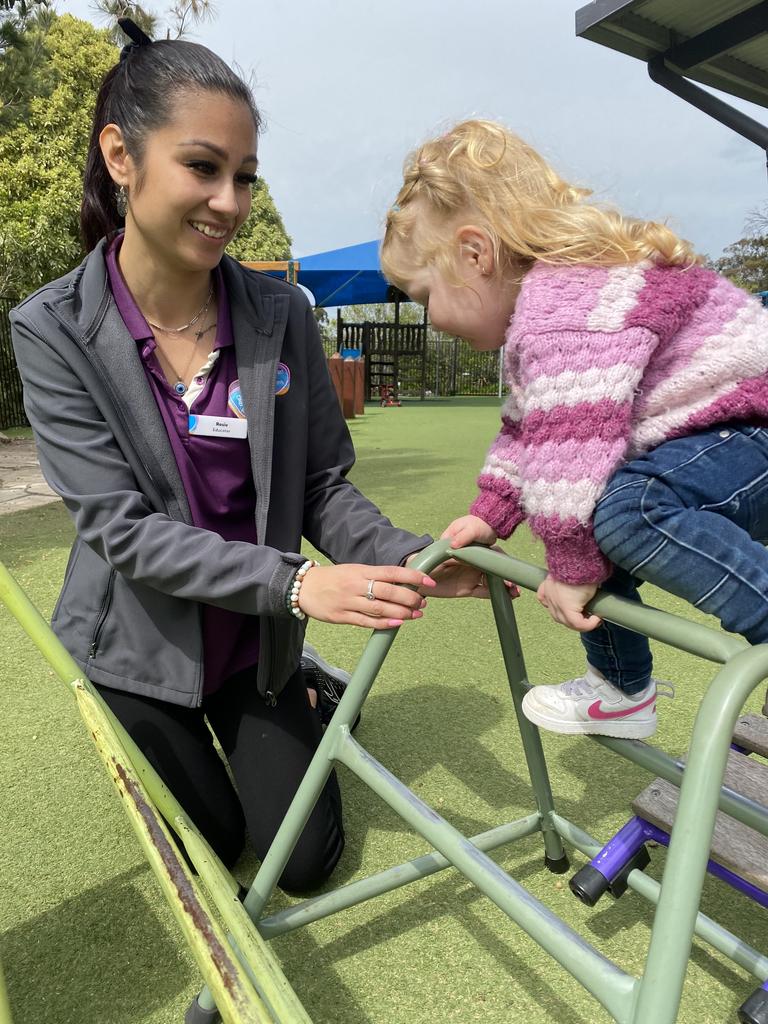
column 481, row 171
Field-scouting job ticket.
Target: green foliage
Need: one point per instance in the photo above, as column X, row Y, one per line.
column 42, row 156
column 20, row 8
column 263, row 235
column 23, row 60
column 174, row 24
column 41, row 160
column 746, row 263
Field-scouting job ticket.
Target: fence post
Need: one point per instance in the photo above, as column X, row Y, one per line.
column 11, row 402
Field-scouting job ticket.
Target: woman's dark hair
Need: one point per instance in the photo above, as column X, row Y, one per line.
column 137, row 95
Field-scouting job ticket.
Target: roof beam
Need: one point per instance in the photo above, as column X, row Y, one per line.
column 720, row 38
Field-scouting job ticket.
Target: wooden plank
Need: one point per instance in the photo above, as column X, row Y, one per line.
column 734, row 846
column 751, row 732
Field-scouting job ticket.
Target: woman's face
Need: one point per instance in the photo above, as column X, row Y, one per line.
column 193, row 188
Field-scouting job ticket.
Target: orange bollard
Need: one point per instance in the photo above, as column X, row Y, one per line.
column 336, row 369
column 359, row 387
column 348, row 389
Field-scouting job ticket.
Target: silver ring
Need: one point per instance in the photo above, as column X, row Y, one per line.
column 369, row 592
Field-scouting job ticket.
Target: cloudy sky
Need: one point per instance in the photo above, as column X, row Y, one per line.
column 348, row 87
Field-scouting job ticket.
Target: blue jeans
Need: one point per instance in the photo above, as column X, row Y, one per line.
column 691, row 517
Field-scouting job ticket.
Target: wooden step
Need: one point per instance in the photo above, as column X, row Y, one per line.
column 751, row 732
column 734, row 845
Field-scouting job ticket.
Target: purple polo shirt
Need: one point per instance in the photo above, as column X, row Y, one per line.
column 215, row 471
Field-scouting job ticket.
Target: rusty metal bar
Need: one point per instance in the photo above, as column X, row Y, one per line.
column 246, row 993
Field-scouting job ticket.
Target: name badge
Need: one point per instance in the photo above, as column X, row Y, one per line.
column 218, row 426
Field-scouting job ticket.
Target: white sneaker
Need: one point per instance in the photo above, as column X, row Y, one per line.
column 591, row 705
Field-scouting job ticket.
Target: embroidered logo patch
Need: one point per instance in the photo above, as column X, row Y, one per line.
column 282, row 379
column 235, row 401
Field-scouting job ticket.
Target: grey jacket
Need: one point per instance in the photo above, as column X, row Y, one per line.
column 129, row 610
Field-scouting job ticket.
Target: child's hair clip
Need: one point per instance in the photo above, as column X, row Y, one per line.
column 395, row 207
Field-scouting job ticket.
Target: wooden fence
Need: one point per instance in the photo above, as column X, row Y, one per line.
column 11, row 406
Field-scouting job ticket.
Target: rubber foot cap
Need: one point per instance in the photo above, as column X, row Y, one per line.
column 197, row 1015
column 588, row 885
column 755, row 1009
column 558, row 866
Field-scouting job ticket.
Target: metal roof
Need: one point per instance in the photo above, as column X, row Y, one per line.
column 719, row 43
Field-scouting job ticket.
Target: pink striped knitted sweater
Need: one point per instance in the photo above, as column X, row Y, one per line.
column 602, row 365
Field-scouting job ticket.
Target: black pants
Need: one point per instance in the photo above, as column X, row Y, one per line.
column 268, row 750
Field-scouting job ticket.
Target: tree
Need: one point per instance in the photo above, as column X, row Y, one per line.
column 178, row 19
column 23, row 62
column 41, row 161
column 746, row 263
column 262, row 236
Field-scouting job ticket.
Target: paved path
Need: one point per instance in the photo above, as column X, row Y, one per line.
column 21, row 482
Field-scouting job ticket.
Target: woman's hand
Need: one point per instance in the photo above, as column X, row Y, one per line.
column 468, row 530
column 565, row 603
column 457, row 579
column 339, row 594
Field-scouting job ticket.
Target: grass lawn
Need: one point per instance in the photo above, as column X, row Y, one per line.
column 84, row 936
column 23, row 432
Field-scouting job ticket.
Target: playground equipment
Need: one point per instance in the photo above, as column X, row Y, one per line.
column 388, row 396
column 246, row 982
column 652, row 999
column 249, row 984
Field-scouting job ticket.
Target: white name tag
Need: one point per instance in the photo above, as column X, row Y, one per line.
column 218, row 426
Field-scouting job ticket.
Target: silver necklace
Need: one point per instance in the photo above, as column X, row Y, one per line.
column 184, row 327
column 179, row 386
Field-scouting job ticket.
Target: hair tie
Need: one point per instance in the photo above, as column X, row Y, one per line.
column 135, row 34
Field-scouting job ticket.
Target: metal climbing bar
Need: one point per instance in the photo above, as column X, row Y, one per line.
column 652, row 999
column 241, row 970
column 5, row 1006
column 243, row 979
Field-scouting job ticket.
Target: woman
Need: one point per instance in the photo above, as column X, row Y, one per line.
column 183, row 411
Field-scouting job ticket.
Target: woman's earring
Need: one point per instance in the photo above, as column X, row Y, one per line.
column 121, row 201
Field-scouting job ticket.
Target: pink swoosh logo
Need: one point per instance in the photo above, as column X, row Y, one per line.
column 595, row 710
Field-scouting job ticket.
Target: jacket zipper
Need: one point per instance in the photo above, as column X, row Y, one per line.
column 103, row 612
column 265, row 660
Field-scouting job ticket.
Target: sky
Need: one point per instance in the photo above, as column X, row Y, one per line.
column 349, row 87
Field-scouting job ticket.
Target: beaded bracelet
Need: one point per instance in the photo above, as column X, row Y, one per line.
column 292, row 598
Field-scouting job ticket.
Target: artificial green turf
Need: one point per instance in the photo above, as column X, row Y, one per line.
column 84, row 936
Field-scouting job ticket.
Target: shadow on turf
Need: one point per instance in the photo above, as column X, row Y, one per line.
column 451, row 898
column 104, row 957
column 458, row 718
column 439, row 726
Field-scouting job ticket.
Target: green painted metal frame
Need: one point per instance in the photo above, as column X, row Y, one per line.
column 240, row 968
column 244, row 979
column 652, row 999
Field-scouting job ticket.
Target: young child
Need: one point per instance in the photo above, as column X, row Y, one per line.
column 634, row 438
